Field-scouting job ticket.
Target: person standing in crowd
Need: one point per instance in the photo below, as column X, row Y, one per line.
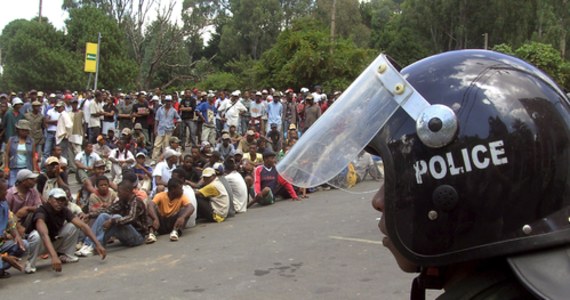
column 36, row 125
column 257, row 111
column 246, row 115
column 165, row 123
column 77, row 133
column 109, row 115
column 20, row 152
column 63, row 131
column 12, row 246
column 125, row 113
column 187, row 114
column 231, row 111
column 213, row 198
column 95, row 116
column 289, row 112
column 54, row 229
column 170, row 210
column 52, row 116
column 311, row 112
column 207, row 114
column 274, row 111
column 11, row 118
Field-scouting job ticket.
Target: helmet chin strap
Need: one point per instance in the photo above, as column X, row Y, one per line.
column 431, row 278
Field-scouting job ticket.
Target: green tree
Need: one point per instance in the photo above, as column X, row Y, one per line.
column 35, row 57
column 116, row 69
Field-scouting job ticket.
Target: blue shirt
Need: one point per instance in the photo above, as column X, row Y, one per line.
column 208, row 112
column 165, row 119
column 274, row 111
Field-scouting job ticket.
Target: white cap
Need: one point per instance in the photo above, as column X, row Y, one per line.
column 155, row 98
column 17, row 101
column 168, row 98
column 235, row 93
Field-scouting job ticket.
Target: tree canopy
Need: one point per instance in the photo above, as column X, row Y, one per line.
column 271, row 43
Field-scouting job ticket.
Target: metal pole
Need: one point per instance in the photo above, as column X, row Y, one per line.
column 486, row 38
column 97, row 63
column 40, row 14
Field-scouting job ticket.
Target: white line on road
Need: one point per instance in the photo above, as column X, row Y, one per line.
column 334, row 237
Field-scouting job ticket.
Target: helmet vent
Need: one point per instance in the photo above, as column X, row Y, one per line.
column 436, row 126
column 445, row 198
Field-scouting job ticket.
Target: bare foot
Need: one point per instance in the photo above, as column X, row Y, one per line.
column 13, row 261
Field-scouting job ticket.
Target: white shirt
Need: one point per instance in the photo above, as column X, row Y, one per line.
column 95, row 107
column 189, row 193
column 239, row 191
column 232, row 111
column 63, row 128
column 53, row 115
column 86, row 112
column 163, row 171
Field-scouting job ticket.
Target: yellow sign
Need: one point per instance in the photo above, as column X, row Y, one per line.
column 91, row 58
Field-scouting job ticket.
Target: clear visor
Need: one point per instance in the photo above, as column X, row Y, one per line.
column 340, row 134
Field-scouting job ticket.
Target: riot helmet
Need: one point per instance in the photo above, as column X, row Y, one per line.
column 476, row 155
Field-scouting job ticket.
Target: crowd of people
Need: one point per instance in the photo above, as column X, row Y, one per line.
column 147, row 164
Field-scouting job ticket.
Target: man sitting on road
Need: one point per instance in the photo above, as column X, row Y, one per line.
column 268, row 183
column 170, row 210
column 163, row 170
column 180, row 174
column 12, row 246
column 125, row 219
column 253, row 156
column 54, row 229
column 23, row 198
column 213, row 199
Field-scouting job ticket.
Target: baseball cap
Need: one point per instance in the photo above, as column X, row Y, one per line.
column 174, row 139
column 219, row 167
column 52, row 95
column 250, row 132
column 235, row 94
column 25, row 174
column 202, row 94
column 57, row 193
column 36, row 103
column 225, row 136
column 208, row 172
column 238, row 152
column 17, row 101
column 268, row 153
column 68, row 97
column 170, row 153
column 155, row 98
column 292, row 126
column 258, row 93
column 98, row 163
column 264, row 92
column 140, row 154
column 138, row 126
column 60, row 104
column 52, row 159
column 167, row 98
column 126, row 131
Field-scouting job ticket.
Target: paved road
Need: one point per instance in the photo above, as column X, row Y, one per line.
column 326, row 247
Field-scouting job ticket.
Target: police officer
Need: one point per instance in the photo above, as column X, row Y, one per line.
column 476, row 150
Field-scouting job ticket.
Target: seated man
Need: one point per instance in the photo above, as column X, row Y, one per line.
column 103, row 196
column 268, row 183
column 213, row 200
column 238, row 186
column 125, row 219
column 143, row 172
column 180, row 174
column 253, row 156
column 192, row 175
column 225, row 148
column 90, row 184
column 23, row 198
column 12, row 246
column 52, row 178
column 84, row 161
column 54, row 229
column 170, row 210
column 163, row 170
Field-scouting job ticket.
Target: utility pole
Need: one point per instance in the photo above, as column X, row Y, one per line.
column 40, row 11
column 486, row 40
column 333, row 24
column 98, row 59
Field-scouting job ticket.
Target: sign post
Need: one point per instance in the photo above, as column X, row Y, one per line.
column 92, row 59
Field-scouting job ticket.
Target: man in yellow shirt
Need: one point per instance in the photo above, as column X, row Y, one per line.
column 213, row 200
column 170, row 210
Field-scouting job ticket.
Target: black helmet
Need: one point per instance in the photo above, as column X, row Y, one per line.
column 478, row 169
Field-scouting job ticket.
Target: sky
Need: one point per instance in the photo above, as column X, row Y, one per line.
column 28, row 9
